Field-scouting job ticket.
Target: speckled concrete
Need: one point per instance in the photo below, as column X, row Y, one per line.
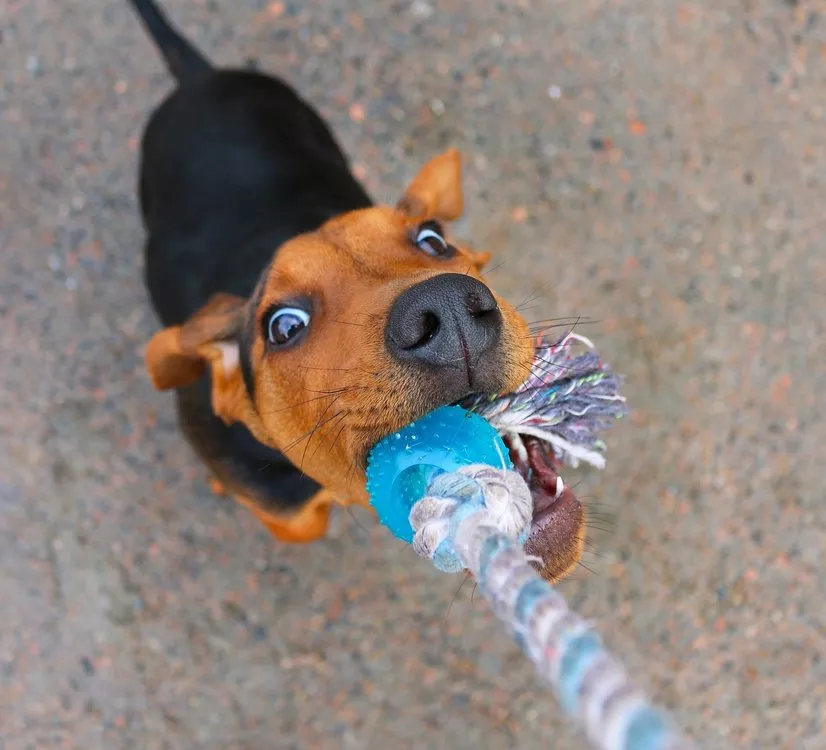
column 654, row 165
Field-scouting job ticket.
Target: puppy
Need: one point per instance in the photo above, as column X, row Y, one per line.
column 303, row 323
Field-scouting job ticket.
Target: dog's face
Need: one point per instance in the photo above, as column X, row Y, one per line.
column 354, row 331
column 364, row 326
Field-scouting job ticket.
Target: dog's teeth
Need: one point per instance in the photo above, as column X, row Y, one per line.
column 560, row 486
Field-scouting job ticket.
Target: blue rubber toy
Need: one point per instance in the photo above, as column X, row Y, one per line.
column 402, row 466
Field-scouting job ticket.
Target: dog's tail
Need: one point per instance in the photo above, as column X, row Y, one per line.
column 182, row 59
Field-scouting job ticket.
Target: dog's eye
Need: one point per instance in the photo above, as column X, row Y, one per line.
column 430, row 239
column 285, row 324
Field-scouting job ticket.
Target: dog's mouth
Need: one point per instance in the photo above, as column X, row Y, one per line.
column 555, row 416
column 556, row 528
column 556, row 537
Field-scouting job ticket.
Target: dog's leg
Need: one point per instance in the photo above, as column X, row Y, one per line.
column 308, row 525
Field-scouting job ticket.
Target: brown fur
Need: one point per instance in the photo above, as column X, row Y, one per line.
column 325, row 402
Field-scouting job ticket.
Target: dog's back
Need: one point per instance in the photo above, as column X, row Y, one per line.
column 233, row 164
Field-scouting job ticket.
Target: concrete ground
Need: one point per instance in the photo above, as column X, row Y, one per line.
column 655, row 165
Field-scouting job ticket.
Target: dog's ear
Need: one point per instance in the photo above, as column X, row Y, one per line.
column 179, row 355
column 436, row 191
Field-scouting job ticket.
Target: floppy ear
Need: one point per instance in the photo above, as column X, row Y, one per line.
column 436, row 191
column 179, row 355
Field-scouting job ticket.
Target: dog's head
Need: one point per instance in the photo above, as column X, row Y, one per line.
column 354, row 331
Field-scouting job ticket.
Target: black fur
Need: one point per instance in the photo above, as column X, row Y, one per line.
column 233, row 164
column 182, row 59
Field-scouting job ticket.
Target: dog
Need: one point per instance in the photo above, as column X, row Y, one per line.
column 302, row 323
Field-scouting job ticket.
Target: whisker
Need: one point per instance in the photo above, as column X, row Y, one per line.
column 293, row 406
column 355, row 519
column 542, row 292
column 562, row 319
column 333, row 444
column 542, row 331
column 321, row 416
column 359, row 370
column 340, row 415
column 453, row 600
column 496, row 267
column 350, row 323
column 597, row 504
column 575, row 577
column 530, row 299
column 306, row 435
column 540, row 327
column 351, row 472
column 606, row 522
column 320, row 443
column 574, row 325
column 596, row 526
column 590, row 548
column 338, row 391
column 583, row 565
column 541, row 368
column 327, row 369
column 597, row 512
column 378, row 429
column 370, row 315
column 323, row 394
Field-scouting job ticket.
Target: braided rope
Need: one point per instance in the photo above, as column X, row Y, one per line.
column 478, row 518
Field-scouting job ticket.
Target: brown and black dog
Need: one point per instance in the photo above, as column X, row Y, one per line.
column 303, row 323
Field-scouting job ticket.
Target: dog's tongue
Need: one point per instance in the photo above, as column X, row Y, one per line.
column 557, row 514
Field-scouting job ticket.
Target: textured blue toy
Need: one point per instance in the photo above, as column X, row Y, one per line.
column 402, row 466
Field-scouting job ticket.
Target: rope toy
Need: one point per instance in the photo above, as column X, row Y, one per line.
column 450, row 485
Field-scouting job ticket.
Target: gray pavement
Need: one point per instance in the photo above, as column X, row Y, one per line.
column 656, row 165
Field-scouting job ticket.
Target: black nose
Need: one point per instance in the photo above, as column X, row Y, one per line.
column 446, row 322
